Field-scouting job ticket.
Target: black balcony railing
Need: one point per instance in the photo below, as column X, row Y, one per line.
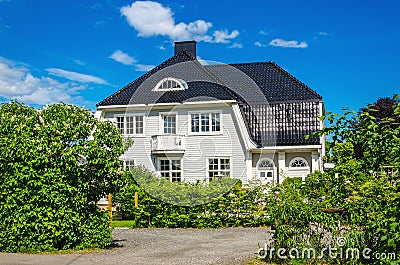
column 285, row 123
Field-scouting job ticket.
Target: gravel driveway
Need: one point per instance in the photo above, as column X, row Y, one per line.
column 161, row 246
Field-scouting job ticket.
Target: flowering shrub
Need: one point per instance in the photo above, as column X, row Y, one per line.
column 55, row 164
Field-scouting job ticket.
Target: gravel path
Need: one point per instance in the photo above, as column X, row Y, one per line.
column 161, row 246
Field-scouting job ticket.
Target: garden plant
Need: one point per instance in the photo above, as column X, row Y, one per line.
column 55, row 164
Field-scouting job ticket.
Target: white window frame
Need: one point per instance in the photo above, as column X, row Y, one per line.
column 209, row 112
column 161, row 122
column 170, row 171
column 219, row 166
column 134, row 124
column 266, row 171
column 126, row 166
column 117, row 123
column 299, row 168
column 183, row 85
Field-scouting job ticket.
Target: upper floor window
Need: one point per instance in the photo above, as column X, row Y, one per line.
column 205, row 122
column 298, row 162
column 169, row 123
column 171, row 84
column 130, row 125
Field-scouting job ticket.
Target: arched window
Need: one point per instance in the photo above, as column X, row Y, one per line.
column 265, row 169
column 298, row 162
column 265, row 164
column 171, row 84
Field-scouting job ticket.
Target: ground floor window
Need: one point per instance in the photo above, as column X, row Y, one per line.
column 265, row 169
column 298, row 167
column 218, row 168
column 129, row 164
column 298, row 163
column 170, row 169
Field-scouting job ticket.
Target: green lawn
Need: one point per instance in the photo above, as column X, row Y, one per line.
column 123, row 223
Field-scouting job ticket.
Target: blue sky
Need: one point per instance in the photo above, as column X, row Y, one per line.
column 80, row 52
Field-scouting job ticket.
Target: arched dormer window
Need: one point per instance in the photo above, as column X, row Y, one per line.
column 298, row 163
column 170, row 84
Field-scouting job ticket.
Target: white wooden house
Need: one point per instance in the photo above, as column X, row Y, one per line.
column 193, row 121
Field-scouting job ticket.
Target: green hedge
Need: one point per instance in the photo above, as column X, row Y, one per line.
column 231, row 207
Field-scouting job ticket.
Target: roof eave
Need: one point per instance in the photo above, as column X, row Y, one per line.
column 167, row 104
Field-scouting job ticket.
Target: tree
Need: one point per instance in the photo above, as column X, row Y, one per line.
column 373, row 136
column 383, row 108
column 382, row 112
column 55, row 164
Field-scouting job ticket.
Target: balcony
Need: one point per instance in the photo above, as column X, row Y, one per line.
column 167, row 144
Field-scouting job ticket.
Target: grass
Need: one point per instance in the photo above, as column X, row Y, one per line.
column 123, row 223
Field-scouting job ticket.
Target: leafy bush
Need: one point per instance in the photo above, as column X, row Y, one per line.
column 194, row 203
column 55, row 164
column 357, row 202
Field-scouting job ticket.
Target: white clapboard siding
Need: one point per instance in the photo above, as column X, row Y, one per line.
column 197, row 147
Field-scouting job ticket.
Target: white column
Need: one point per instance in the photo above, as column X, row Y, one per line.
column 249, row 166
column 281, row 165
column 314, row 161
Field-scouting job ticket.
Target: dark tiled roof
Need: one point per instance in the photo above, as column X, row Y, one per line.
column 275, row 83
column 201, row 85
column 197, row 91
column 124, row 95
column 251, row 82
column 257, row 87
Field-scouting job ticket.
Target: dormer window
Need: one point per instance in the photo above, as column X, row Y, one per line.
column 171, row 84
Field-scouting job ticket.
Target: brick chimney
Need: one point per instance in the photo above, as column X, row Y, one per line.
column 188, row 46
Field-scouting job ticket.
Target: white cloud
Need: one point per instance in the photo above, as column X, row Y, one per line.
column 321, row 34
column 79, row 62
column 49, row 95
column 143, row 67
column 263, row 32
column 74, row 76
column 288, row 43
column 153, row 19
column 17, row 81
column 236, row 45
column 126, row 59
column 123, row 58
column 259, row 44
column 223, row 36
column 98, row 23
